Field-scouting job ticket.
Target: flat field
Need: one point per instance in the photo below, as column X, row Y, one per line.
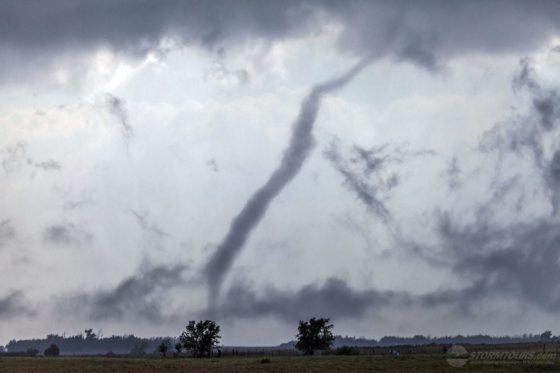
column 432, row 363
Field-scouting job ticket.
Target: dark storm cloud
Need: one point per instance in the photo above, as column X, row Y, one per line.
column 299, row 148
column 13, row 305
column 66, row 234
column 138, row 296
column 148, row 226
column 117, row 107
column 34, row 33
column 7, row 232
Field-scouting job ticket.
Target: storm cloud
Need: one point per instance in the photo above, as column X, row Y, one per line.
column 424, row 32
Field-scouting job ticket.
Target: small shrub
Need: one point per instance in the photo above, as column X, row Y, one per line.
column 347, row 350
column 265, row 361
column 52, row 350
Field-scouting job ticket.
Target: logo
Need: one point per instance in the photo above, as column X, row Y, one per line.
column 458, row 356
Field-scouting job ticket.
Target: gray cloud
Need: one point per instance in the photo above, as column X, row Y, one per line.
column 335, row 298
column 546, row 103
column 520, row 260
column 221, row 73
column 138, row 296
column 366, row 173
column 16, row 156
column 66, row 234
column 148, row 226
column 553, row 180
column 212, row 164
column 294, row 156
column 50, row 165
column 426, row 32
column 117, row 107
column 453, row 174
column 7, row 232
column 527, row 135
column 13, row 305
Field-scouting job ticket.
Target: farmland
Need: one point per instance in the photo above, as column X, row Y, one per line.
column 326, row 363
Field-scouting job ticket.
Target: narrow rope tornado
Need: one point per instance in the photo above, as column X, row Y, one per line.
column 294, row 156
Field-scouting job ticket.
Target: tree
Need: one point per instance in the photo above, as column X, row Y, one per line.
column 52, row 350
column 163, row 347
column 200, row 337
column 314, row 334
column 90, row 334
column 546, row 336
column 178, row 347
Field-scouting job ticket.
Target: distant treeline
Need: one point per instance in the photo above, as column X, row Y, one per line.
column 130, row 344
column 419, row 340
column 78, row 344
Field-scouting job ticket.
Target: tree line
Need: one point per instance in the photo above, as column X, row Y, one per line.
column 202, row 339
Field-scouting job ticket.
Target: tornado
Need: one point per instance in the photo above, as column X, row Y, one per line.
column 298, row 150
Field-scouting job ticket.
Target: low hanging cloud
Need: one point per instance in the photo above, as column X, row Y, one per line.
column 335, row 298
column 140, row 296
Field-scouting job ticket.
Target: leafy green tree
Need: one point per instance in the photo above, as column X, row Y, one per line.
column 315, row 334
column 200, row 337
column 52, row 350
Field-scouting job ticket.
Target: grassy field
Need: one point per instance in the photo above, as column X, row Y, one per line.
column 408, row 363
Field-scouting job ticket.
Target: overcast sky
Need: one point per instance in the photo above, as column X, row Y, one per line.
column 392, row 165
